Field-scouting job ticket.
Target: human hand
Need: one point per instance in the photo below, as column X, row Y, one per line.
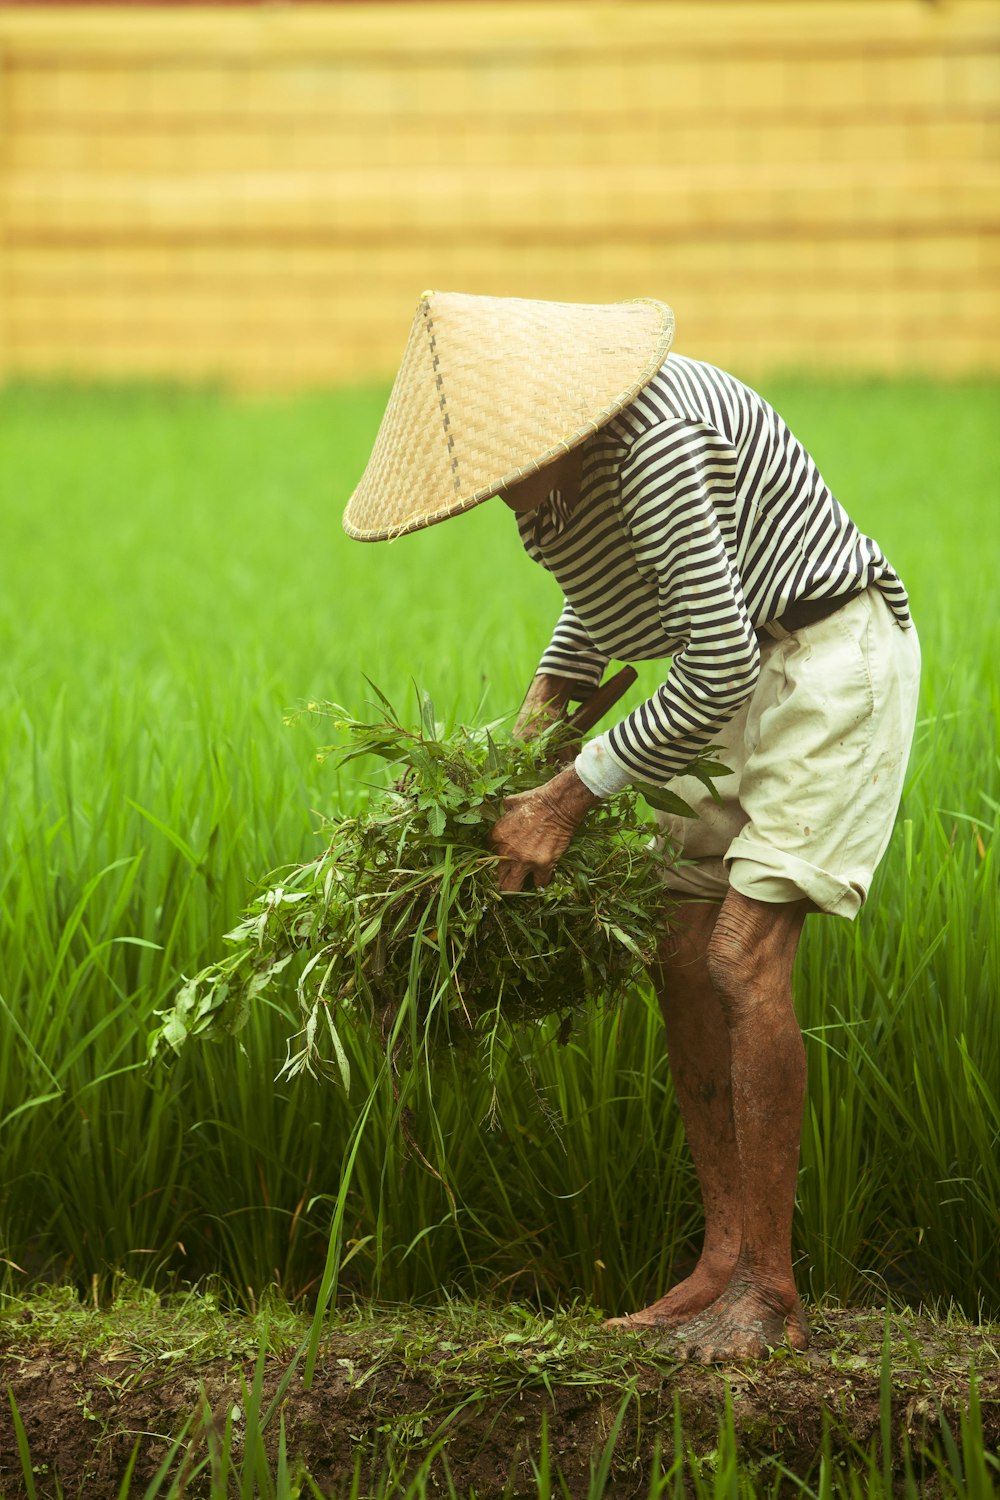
column 536, row 828
column 545, row 701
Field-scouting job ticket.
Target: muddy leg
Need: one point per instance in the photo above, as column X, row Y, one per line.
column 750, row 958
column 698, row 1043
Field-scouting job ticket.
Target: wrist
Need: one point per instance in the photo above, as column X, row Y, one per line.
column 551, row 688
column 574, row 796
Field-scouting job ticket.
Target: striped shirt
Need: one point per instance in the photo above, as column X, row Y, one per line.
column 700, row 517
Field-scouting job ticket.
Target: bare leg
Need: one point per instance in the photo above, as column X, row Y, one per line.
column 738, row 1066
column 698, row 1044
column 750, row 960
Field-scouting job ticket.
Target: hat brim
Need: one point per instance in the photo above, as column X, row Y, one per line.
column 493, row 389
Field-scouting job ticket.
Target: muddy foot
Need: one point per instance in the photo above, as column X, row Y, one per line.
column 746, row 1322
column 684, row 1301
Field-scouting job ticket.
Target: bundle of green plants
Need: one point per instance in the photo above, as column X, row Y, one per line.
column 399, row 924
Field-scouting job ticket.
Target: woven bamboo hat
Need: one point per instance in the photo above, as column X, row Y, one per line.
column 491, row 389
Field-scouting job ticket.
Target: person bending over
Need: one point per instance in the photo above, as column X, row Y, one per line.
column 683, row 521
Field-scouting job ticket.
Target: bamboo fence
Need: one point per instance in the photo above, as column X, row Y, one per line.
column 259, row 194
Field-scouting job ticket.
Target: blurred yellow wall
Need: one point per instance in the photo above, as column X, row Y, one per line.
column 261, row 194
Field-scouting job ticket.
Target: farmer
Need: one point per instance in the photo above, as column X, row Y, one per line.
column 683, row 521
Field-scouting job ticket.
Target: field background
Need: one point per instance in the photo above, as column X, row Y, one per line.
column 177, row 581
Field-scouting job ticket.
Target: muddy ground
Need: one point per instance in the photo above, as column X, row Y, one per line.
column 90, row 1386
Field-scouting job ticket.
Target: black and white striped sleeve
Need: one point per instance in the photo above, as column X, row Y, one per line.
column 571, row 653
column 671, row 482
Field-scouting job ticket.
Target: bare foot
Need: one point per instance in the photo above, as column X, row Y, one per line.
column 684, row 1301
column 746, row 1322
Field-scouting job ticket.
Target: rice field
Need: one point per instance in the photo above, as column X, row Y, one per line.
column 176, row 587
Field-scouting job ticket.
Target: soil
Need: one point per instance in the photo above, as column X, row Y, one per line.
column 400, row 1382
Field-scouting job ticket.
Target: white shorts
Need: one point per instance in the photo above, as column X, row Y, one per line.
column 818, row 754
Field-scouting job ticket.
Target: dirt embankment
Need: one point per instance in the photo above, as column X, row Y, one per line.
column 395, row 1385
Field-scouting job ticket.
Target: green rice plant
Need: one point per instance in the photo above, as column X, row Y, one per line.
column 905, row 1074
column 178, row 583
column 23, row 1452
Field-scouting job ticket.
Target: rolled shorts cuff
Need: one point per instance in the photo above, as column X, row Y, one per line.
column 766, row 874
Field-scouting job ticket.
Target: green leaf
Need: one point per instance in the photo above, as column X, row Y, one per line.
column 708, row 772
column 664, row 801
column 387, row 706
column 436, row 819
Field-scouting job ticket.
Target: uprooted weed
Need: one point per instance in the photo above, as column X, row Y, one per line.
column 399, row 924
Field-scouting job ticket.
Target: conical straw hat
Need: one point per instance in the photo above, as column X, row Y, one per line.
column 490, row 390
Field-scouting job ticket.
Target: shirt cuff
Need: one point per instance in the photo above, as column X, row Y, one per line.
column 600, row 773
column 583, row 667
